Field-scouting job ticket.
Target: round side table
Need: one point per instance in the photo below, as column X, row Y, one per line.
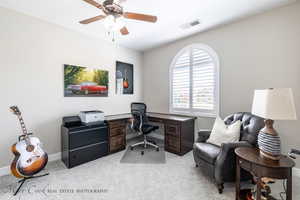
column 250, row 160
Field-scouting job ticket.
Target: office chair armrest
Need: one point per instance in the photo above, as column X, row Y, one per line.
column 132, row 121
column 141, row 122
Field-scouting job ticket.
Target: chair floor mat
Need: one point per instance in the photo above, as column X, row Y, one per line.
column 151, row 156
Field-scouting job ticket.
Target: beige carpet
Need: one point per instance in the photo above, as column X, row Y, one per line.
column 108, row 179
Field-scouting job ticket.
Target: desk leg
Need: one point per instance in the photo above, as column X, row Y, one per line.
column 237, row 179
column 258, row 192
column 289, row 186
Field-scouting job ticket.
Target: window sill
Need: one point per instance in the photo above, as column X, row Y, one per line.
column 194, row 114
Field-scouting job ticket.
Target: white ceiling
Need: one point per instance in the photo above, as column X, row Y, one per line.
column 171, row 15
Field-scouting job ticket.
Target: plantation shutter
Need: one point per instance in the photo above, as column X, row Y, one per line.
column 203, row 80
column 193, row 82
column 181, row 82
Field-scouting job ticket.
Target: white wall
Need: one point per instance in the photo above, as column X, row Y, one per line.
column 32, row 54
column 259, row 52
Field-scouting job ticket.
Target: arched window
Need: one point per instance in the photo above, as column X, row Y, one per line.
column 194, row 81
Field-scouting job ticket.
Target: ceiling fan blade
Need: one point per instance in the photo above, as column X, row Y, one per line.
column 142, row 17
column 121, row 1
column 93, row 19
column 94, row 3
column 124, row 31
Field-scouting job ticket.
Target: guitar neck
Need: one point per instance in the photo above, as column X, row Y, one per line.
column 23, row 127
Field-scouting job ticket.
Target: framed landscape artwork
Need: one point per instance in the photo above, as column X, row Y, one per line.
column 85, row 82
column 124, row 78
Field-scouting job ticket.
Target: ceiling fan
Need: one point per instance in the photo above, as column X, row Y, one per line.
column 113, row 11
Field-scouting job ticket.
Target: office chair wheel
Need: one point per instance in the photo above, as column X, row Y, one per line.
column 131, row 148
column 142, row 153
column 157, row 149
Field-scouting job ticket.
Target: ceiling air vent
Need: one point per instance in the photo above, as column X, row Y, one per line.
column 190, row 24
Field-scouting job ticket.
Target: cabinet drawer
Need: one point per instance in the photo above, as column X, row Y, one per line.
column 117, row 143
column 172, row 143
column 117, row 123
column 87, row 136
column 88, row 153
column 172, row 129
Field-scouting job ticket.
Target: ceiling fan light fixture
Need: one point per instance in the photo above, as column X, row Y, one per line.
column 114, row 24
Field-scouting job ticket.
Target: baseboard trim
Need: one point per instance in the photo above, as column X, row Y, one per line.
column 52, row 157
column 4, row 171
column 296, row 172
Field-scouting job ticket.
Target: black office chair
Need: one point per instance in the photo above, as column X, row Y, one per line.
column 140, row 124
column 294, row 153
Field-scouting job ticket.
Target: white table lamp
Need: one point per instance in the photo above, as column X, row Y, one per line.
column 272, row 104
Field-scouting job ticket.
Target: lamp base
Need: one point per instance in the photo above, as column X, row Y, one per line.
column 269, row 142
column 269, row 156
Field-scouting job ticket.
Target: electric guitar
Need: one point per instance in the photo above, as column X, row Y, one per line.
column 125, row 81
column 29, row 155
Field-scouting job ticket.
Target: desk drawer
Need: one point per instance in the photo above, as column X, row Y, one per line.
column 117, row 143
column 172, row 143
column 277, row 173
column 245, row 165
column 154, row 119
column 172, row 129
column 117, row 123
column 121, row 130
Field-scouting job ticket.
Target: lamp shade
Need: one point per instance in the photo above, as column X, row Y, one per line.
column 275, row 104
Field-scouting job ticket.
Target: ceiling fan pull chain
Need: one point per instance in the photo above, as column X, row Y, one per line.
column 111, row 34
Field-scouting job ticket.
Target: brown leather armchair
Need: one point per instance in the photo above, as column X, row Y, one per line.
column 219, row 162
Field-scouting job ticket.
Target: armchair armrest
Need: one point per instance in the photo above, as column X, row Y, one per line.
column 225, row 163
column 203, row 135
column 227, row 147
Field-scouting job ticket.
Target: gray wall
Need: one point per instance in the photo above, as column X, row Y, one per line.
column 259, row 52
column 32, row 54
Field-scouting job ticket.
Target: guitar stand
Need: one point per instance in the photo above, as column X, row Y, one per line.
column 25, row 179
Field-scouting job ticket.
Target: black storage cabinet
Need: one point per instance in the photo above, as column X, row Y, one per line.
column 81, row 143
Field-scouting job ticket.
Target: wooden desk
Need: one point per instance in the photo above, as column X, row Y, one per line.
column 179, row 131
column 250, row 160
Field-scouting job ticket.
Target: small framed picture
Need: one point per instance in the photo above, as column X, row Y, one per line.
column 124, row 78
